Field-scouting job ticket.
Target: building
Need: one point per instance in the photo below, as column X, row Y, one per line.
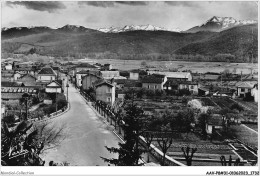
column 193, row 87
column 111, row 74
column 28, row 80
column 215, row 121
column 178, row 76
column 154, row 82
column 83, row 66
column 254, row 92
column 203, row 91
column 81, row 74
column 9, row 67
column 7, row 75
column 54, row 87
column 244, row 87
column 46, row 74
column 89, row 80
column 107, row 67
column 134, row 75
column 105, row 91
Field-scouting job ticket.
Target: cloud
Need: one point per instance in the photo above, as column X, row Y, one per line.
column 104, row 4
column 183, row 3
column 133, row 3
column 50, row 6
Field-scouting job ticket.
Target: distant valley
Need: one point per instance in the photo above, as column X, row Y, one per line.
column 231, row 40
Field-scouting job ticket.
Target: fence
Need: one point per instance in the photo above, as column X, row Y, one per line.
column 117, row 124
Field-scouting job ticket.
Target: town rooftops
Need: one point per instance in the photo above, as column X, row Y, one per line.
column 85, row 65
column 88, row 72
column 152, row 79
column 13, row 96
column 246, row 84
column 102, row 82
column 215, row 120
column 47, row 71
column 11, row 84
column 171, row 74
column 27, row 75
column 19, row 89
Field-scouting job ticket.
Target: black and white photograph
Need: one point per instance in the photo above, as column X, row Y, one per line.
column 129, row 83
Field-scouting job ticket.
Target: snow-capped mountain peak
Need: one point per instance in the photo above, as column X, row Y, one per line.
column 147, row 27
column 217, row 24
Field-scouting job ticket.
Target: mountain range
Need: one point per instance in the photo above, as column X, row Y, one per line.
column 227, row 36
column 217, row 24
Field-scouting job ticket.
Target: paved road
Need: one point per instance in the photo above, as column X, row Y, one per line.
column 86, row 135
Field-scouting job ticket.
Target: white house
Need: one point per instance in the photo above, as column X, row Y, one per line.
column 46, row 74
column 53, row 87
column 244, row 87
column 178, row 76
column 134, row 75
column 9, row 67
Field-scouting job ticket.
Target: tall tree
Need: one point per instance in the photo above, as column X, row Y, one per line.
column 129, row 152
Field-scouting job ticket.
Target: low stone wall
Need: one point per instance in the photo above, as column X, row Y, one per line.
column 158, row 154
column 52, row 115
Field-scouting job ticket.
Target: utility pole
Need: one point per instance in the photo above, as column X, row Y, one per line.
column 26, row 96
column 67, row 91
column 56, row 101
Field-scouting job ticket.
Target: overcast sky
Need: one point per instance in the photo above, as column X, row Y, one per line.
column 97, row 14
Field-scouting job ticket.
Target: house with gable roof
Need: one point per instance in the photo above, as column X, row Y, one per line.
column 244, row 87
column 105, row 91
column 46, row 74
column 28, row 80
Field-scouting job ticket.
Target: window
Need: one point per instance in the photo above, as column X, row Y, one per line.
column 192, row 87
column 108, row 99
column 242, row 90
column 155, row 87
column 148, row 86
column 108, row 90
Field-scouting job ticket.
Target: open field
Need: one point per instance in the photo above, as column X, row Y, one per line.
column 200, row 67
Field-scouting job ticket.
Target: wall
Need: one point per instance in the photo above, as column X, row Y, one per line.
column 152, row 86
column 103, row 94
column 88, row 80
column 46, row 78
column 243, row 94
column 134, row 76
column 52, row 90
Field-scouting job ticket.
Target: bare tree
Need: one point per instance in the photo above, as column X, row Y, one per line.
column 188, row 156
column 50, row 135
column 165, row 141
column 149, row 136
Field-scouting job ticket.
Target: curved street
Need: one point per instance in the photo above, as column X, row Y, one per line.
column 86, row 135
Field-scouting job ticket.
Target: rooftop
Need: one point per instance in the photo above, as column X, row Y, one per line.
column 47, row 71
column 152, row 79
column 11, row 84
column 215, row 119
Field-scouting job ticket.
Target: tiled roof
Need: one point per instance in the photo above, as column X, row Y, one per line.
column 86, row 65
column 11, row 84
column 132, row 83
column 14, row 96
column 246, row 84
column 19, row 89
column 27, row 75
column 215, row 119
column 88, row 72
column 101, row 82
column 47, row 71
column 209, row 77
column 152, row 79
column 171, row 74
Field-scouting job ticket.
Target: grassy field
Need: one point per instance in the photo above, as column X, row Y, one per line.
column 200, row 67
